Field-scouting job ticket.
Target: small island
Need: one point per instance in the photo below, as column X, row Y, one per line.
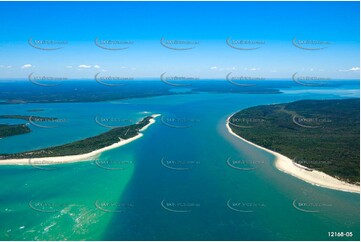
column 319, row 139
column 7, row 130
column 27, row 118
column 82, row 149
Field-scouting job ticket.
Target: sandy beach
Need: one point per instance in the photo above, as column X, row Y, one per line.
column 152, row 121
column 313, row 177
column 75, row 158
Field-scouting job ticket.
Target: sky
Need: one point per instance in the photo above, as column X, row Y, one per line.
column 271, row 40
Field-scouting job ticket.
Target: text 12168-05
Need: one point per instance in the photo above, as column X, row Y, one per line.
column 340, row 234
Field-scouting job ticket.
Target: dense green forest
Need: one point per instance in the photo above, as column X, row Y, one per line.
column 319, row 134
column 7, row 130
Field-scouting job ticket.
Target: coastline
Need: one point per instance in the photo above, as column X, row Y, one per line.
column 75, row 158
column 313, row 177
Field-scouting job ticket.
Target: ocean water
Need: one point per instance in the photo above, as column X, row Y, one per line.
column 174, row 183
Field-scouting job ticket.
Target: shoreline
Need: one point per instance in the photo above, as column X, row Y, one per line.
column 75, row 158
column 306, row 174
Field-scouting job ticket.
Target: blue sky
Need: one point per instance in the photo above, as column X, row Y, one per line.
column 273, row 25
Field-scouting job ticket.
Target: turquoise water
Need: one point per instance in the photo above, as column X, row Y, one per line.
column 172, row 184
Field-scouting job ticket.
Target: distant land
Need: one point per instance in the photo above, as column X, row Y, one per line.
column 114, row 135
column 319, row 134
column 20, row 92
column 24, row 91
column 7, row 130
column 35, row 110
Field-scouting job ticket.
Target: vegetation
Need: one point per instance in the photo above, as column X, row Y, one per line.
column 319, row 134
column 7, row 130
column 90, row 91
column 85, row 146
column 27, row 118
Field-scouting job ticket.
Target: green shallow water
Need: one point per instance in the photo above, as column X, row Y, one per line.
column 60, row 204
column 174, row 183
